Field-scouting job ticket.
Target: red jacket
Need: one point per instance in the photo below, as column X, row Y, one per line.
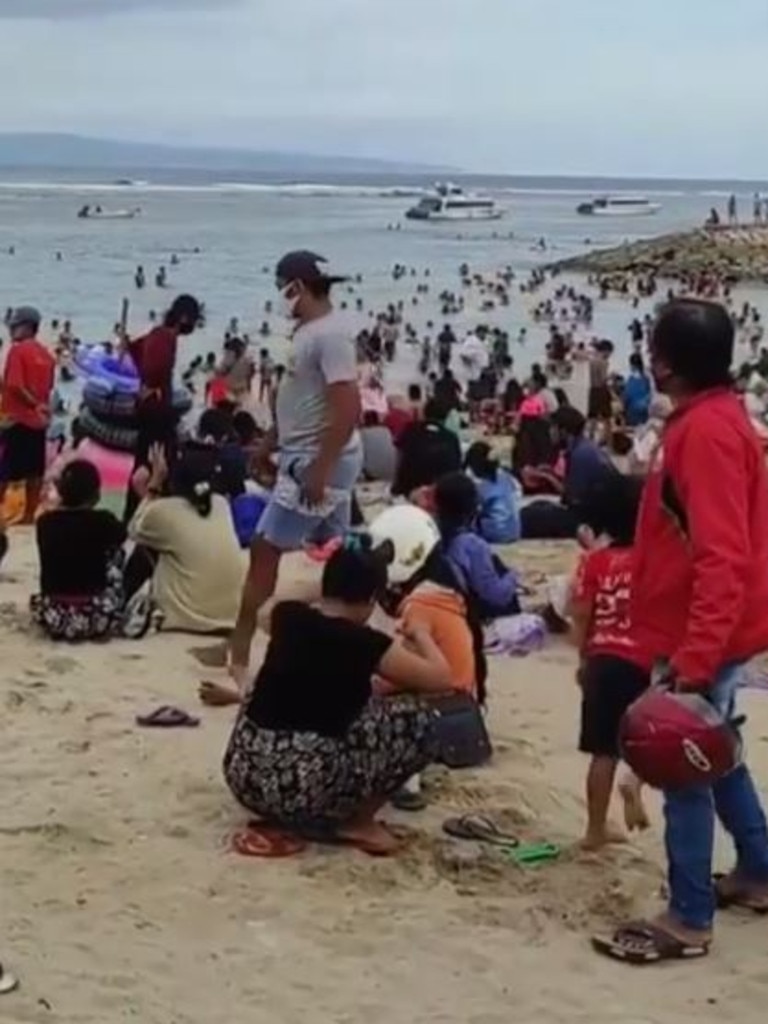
column 700, row 578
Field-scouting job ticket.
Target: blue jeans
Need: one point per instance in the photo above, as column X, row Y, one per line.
column 690, row 827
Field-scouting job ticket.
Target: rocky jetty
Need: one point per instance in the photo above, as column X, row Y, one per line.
column 738, row 253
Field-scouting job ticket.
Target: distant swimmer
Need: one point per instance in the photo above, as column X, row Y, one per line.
column 140, row 278
column 11, row 250
column 161, row 278
column 59, row 257
column 174, row 260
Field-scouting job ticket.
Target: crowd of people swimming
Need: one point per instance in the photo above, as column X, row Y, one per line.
column 329, row 731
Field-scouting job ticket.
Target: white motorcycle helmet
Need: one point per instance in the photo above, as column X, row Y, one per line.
column 411, row 534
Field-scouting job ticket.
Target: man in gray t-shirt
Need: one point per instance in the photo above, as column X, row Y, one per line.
column 315, row 435
column 322, row 354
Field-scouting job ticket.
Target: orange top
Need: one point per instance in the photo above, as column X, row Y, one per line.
column 31, row 367
column 444, row 613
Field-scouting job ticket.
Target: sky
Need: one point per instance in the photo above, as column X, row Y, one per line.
column 672, row 88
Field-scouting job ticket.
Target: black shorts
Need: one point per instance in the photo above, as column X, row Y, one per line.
column 610, row 685
column 24, row 454
column 600, row 403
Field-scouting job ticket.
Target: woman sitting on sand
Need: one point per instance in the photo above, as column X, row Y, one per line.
column 80, row 550
column 426, row 592
column 186, row 543
column 313, row 748
column 499, row 495
column 484, row 578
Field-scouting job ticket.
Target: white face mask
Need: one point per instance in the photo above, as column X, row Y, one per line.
column 287, row 305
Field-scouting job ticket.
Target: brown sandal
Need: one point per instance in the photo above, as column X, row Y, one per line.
column 641, row 942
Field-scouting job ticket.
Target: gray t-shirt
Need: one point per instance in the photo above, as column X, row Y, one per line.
column 322, row 353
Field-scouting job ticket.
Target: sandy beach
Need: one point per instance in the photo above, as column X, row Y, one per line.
column 121, row 900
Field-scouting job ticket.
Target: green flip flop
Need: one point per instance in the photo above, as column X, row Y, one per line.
column 531, row 854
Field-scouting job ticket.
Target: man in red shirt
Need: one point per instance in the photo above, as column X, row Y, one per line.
column 154, row 355
column 27, row 387
column 700, row 606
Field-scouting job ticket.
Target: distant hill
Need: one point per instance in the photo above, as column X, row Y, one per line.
column 46, row 150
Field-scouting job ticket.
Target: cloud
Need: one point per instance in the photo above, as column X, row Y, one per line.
column 60, row 9
column 501, row 85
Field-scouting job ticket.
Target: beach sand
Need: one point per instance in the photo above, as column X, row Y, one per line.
column 121, row 901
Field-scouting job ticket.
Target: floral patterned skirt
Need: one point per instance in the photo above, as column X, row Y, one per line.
column 90, row 617
column 301, row 778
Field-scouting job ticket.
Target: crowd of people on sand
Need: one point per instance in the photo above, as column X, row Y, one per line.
column 671, row 585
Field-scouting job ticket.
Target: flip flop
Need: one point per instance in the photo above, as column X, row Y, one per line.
column 322, row 552
column 480, row 829
column 531, row 854
column 259, row 840
column 7, row 982
column 167, row 717
column 641, row 943
column 740, row 901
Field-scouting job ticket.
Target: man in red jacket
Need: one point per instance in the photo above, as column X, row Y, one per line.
column 700, row 607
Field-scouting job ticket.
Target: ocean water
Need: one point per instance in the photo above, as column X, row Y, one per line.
column 241, row 227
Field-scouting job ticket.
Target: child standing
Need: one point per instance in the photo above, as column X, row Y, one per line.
column 613, row 671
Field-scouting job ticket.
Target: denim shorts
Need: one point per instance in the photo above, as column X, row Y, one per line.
column 287, row 529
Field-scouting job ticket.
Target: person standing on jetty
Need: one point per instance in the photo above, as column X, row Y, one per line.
column 320, row 453
column 700, row 608
column 154, row 356
column 30, row 370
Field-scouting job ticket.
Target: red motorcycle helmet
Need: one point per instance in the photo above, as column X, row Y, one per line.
column 672, row 740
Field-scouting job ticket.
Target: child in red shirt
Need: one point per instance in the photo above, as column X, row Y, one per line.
column 613, row 671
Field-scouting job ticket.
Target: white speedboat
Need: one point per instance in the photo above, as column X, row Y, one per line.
column 619, row 206
column 97, row 213
column 450, row 202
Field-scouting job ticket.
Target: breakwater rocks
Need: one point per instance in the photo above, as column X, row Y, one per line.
column 733, row 253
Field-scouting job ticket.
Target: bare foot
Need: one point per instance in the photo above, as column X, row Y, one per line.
column 371, row 837
column 214, row 695
column 610, row 835
column 635, row 814
column 211, row 657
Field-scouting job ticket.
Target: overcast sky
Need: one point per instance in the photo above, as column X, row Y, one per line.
column 666, row 87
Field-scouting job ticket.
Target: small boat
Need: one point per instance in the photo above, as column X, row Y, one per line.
column 618, row 206
column 97, row 213
column 450, row 202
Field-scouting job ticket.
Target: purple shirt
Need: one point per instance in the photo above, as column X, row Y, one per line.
column 478, row 570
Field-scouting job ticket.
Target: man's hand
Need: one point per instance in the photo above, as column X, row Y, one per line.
column 314, row 482
column 159, row 465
